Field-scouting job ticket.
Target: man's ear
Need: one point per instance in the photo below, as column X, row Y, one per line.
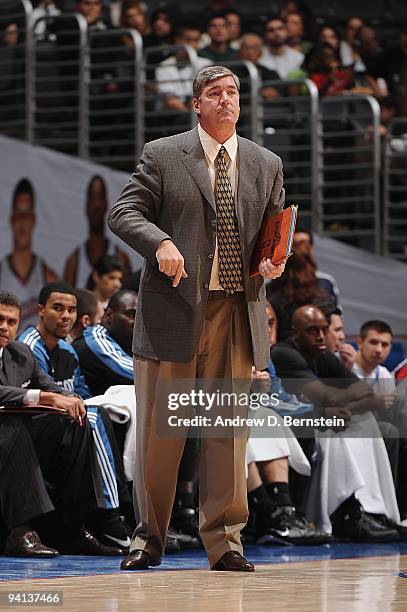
column 40, row 310
column 195, row 104
column 85, row 321
column 95, row 277
column 107, row 317
column 360, row 342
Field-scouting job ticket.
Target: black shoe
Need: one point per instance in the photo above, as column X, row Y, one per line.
column 27, row 544
column 111, row 529
column 388, row 522
column 87, row 544
column 185, row 521
column 172, row 544
column 283, row 526
column 185, row 541
column 362, row 527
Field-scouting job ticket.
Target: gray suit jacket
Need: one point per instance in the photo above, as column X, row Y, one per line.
column 21, row 372
column 170, row 196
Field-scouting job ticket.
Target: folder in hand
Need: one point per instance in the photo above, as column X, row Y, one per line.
column 275, row 239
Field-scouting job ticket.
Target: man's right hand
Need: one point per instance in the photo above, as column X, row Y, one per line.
column 73, row 406
column 340, row 413
column 170, row 261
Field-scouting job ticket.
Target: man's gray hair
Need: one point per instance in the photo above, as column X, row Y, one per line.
column 209, row 74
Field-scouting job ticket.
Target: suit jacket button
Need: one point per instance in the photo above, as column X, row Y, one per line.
column 206, row 286
column 213, row 224
column 210, row 256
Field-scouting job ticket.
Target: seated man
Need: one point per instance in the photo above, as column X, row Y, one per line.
column 105, row 358
column 57, row 314
column 89, row 311
column 51, row 448
column 104, row 350
column 354, row 479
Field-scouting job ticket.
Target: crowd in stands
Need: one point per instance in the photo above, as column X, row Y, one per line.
column 340, row 56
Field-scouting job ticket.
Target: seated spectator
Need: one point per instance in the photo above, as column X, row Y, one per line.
column 330, row 36
column 174, row 75
column 251, row 50
column 104, row 350
column 89, row 311
column 56, row 450
column 106, row 278
column 163, row 22
column 322, row 65
column 395, row 71
column 298, row 285
column 22, row 271
column 80, row 264
column 303, row 243
column 372, row 56
column 296, row 33
column 57, row 314
column 277, row 55
column 348, row 52
column 366, row 483
column 219, row 50
column 91, row 10
column 234, row 25
column 134, row 15
column 45, row 8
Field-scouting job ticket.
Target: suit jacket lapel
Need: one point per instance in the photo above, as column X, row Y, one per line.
column 8, row 376
column 194, row 161
column 248, row 171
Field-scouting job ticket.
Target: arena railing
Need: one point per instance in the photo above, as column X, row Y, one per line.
column 395, row 190
column 290, row 129
column 349, row 170
column 14, row 16
column 56, row 82
column 114, row 98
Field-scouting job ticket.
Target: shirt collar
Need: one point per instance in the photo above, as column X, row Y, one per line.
column 1, row 352
column 212, row 146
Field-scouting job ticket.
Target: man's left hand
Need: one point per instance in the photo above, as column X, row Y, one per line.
column 268, row 270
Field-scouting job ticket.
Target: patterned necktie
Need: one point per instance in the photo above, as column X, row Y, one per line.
column 230, row 261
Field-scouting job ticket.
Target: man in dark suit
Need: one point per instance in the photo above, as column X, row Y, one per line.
column 52, row 448
column 193, row 209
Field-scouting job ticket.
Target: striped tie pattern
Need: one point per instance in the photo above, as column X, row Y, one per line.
column 230, row 261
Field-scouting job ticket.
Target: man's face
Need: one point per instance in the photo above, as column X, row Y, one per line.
column 58, row 316
column 96, row 206
column 190, row 36
column 9, row 320
column 120, row 323
column 250, row 48
column 272, row 323
column 375, row 347
column 218, row 30
column 90, row 9
column 295, row 28
column 22, row 220
column 233, row 26
column 310, row 333
column 218, row 104
column 335, row 335
column 109, row 283
column 276, row 33
column 352, row 27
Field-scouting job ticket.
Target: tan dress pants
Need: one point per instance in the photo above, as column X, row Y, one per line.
column 224, row 352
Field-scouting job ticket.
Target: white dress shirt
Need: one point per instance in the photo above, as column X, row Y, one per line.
column 211, row 149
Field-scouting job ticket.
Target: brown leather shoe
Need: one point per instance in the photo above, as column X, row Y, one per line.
column 27, row 544
column 232, row 561
column 87, row 544
column 139, row 560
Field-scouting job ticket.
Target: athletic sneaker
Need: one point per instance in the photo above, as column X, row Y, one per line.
column 112, row 530
column 362, row 527
column 284, row 526
column 388, row 522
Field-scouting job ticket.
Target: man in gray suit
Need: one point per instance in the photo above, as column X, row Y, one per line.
column 193, row 209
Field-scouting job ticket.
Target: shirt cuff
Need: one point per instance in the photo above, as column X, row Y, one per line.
column 32, row 397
